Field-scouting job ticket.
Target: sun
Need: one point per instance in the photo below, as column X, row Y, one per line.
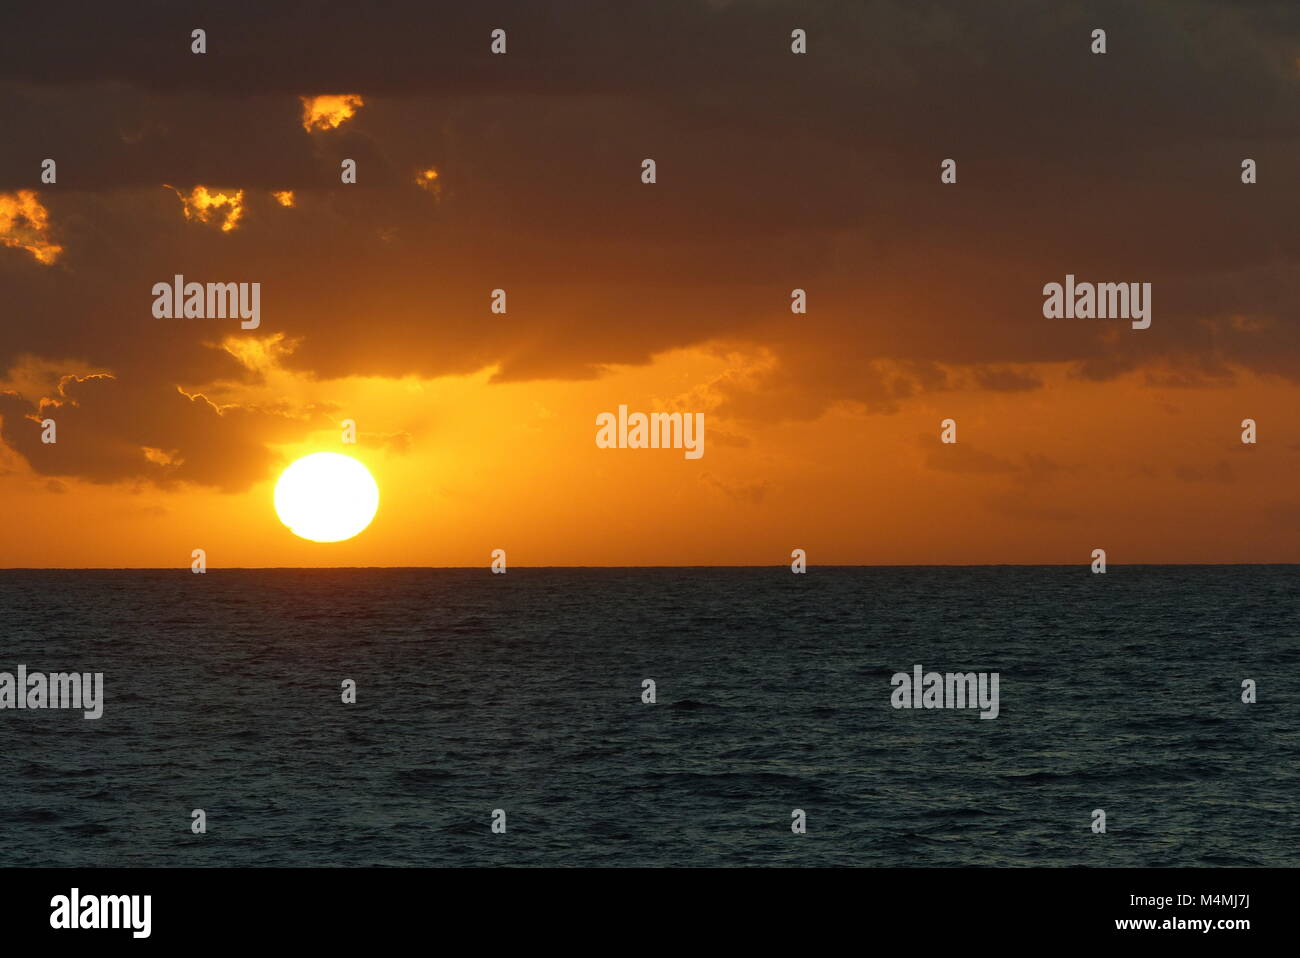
column 326, row 497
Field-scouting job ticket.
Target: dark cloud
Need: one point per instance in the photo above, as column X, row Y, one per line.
column 775, row 171
column 1005, row 380
column 963, row 458
column 109, row 432
column 750, row 492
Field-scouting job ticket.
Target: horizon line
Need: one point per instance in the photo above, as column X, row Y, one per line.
column 779, row 565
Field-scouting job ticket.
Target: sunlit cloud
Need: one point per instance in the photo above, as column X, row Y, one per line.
column 427, row 180
column 328, row 112
column 161, row 457
column 258, row 354
column 284, row 197
column 25, row 224
column 202, row 204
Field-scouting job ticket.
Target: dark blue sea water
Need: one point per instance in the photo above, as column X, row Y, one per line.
column 523, row 692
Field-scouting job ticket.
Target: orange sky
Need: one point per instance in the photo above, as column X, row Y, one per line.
column 378, row 188
column 464, row 467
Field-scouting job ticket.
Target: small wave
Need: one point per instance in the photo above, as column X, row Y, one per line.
column 33, row 816
column 691, row 705
column 945, row 814
column 422, row 776
column 87, row 829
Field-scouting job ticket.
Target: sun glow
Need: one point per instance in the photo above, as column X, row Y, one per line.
column 326, row 497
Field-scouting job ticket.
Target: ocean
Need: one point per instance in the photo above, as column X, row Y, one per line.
column 523, row 692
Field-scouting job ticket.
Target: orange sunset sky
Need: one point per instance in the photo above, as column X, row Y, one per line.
column 774, row 172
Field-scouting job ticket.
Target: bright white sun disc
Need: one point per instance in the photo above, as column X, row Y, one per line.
column 326, row 497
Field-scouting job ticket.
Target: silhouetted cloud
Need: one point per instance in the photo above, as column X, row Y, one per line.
column 775, row 172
